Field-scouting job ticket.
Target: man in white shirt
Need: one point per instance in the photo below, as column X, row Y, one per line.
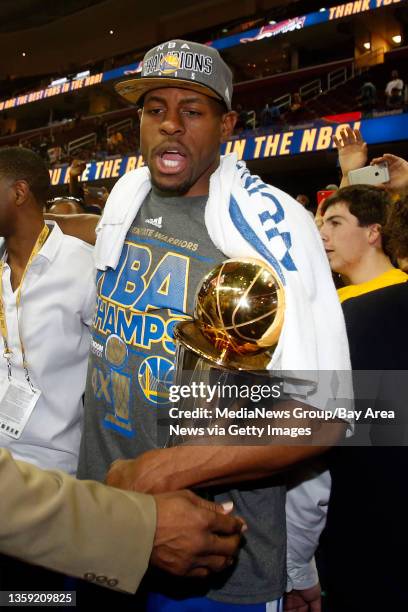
column 46, row 302
column 48, row 296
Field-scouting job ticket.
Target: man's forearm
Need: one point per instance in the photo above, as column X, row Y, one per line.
column 218, row 464
column 198, row 466
column 344, row 182
column 75, row 187
column 203, row 466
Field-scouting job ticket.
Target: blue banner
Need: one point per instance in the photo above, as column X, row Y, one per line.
column 298, row 23
column 288, row 143
column 70, row 86
column 118, row 73
column 51, row 91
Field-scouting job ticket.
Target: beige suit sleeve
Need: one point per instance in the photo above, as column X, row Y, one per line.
column 80, row 528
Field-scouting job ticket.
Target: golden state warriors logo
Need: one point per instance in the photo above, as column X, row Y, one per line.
column 155, row 376
column 169, row 64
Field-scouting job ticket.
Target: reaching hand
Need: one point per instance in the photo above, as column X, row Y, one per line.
column 303, row 600
column 398, row 169
column 352, row 150
column 76, row 168
column 193, row 536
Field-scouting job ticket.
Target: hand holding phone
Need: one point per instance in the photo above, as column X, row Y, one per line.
column 398, row 171
column 376, row 174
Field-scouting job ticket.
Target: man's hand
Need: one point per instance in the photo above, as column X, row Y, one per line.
column 303, row 600
column 76, row 168
column 352, row 151
column 149, row 473
column 193, row 536
column 398, row 169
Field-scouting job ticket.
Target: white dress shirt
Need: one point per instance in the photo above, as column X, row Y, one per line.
column 307, row 501
column 57, row 303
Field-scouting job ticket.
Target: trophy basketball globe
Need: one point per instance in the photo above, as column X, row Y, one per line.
column 238, row 318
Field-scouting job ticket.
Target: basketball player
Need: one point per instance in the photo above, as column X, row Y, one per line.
column 164, row 228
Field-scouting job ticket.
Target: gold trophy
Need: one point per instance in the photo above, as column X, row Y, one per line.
column 238, row 317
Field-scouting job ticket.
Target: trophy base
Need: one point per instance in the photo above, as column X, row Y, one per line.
column 189, row 335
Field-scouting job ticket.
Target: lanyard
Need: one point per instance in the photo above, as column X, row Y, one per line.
column 3, row 322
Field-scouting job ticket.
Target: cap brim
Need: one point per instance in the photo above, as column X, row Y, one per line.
column 134, row 89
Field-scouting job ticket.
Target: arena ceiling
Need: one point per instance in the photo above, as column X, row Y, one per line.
column 43, row 36
column 25, row 14
column 40, row 37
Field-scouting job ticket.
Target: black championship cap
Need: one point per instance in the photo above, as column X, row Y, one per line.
column 185, row 64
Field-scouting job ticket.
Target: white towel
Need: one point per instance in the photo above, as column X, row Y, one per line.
column 245, row 217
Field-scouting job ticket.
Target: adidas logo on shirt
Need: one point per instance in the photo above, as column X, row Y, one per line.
column 156, row 222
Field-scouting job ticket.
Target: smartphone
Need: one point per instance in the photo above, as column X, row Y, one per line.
column 370, row 175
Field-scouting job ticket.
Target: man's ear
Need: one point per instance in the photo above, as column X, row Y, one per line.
column 228, row 122
column 374, row 234
column 22, row 191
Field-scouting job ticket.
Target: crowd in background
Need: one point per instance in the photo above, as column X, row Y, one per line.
column 395, row 96
column 54, row 143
